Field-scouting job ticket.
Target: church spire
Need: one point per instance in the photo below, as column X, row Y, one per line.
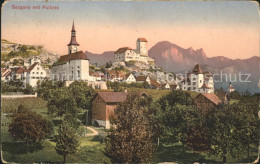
column 73, row 28
column 73, row 45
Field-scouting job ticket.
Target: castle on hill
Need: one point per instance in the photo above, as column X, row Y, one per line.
column 140, row 54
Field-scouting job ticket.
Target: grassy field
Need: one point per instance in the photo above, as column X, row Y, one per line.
column 175, row 152
column 90, row 151
column 11, row 105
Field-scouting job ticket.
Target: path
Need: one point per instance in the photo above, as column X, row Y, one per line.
column 17, row 96
column 95, row 132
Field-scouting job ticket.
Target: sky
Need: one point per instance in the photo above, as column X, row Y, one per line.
column 221, row 28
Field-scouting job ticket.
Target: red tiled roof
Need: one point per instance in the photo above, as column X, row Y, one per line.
column 31, row 67
column 113, row 97
column 155, row 83
column 173, row 86
column 122, row 50
column 142, row 40
column 197, row 69
column 19, row 70
column 126, row 76
column 163, row 85
column 5, row 72
column 211, row 97
column 74, row 56
column 141, row 78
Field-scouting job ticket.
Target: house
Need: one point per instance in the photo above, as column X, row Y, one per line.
column 207, row 101
column 97, row 75
column 230, row 88
column 140, row 54
column 32, row 60
column 165, row 86
column 142, row 79
column 129, row 78
column 154, row 84
column 17, row 73
column 114, row 75
column 174, row 87
column 198, row 81
column 104, row 105
column 74, row 65
column 34, row 74
column 4, row 73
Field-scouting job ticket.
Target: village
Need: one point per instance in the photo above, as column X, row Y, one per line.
column 71, row 90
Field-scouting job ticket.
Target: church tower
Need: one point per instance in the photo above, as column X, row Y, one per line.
column 73, row 45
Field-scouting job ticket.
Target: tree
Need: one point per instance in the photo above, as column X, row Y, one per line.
column 83, row 95
column 133, row 139
column 235, row 95
column 223, row 127
column 67, row 141
column 28, row 89
column 248, row 125
column 62, row 103
column 29, row 126
column 176, row 97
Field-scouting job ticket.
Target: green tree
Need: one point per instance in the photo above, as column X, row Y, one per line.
column 67, row 141
column 247, row 125
column 133, row 139
column 62, row 103
column 28, row 89
column 29, row 126
column 235, row 95
column 176, row 97
column 224, row 132
column 83, row 95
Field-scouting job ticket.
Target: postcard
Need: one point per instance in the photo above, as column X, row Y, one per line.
column 130, row 81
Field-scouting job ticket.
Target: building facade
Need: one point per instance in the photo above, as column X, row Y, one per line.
column 34, row 74
column 198, row 81
column 140, row 54
column 74, row 65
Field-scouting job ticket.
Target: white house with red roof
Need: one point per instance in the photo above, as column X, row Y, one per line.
column 129, row 78
column 35, row 73
column 140, row 54
column 198, row 81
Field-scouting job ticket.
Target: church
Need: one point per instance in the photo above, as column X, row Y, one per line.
column 74, row 65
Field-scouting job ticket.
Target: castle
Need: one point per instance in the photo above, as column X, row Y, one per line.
column 140, row 54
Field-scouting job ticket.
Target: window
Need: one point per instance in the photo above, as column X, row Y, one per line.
column 37, row 72
column 38, row 68
column 32, row 72
column 41, row 72
column 78, row 67
column 78, row 73
column 200, row 81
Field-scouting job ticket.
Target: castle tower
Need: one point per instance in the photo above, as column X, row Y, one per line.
column 73, row 45
column 141, row 44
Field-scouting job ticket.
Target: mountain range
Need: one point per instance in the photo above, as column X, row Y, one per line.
column 174, row 58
